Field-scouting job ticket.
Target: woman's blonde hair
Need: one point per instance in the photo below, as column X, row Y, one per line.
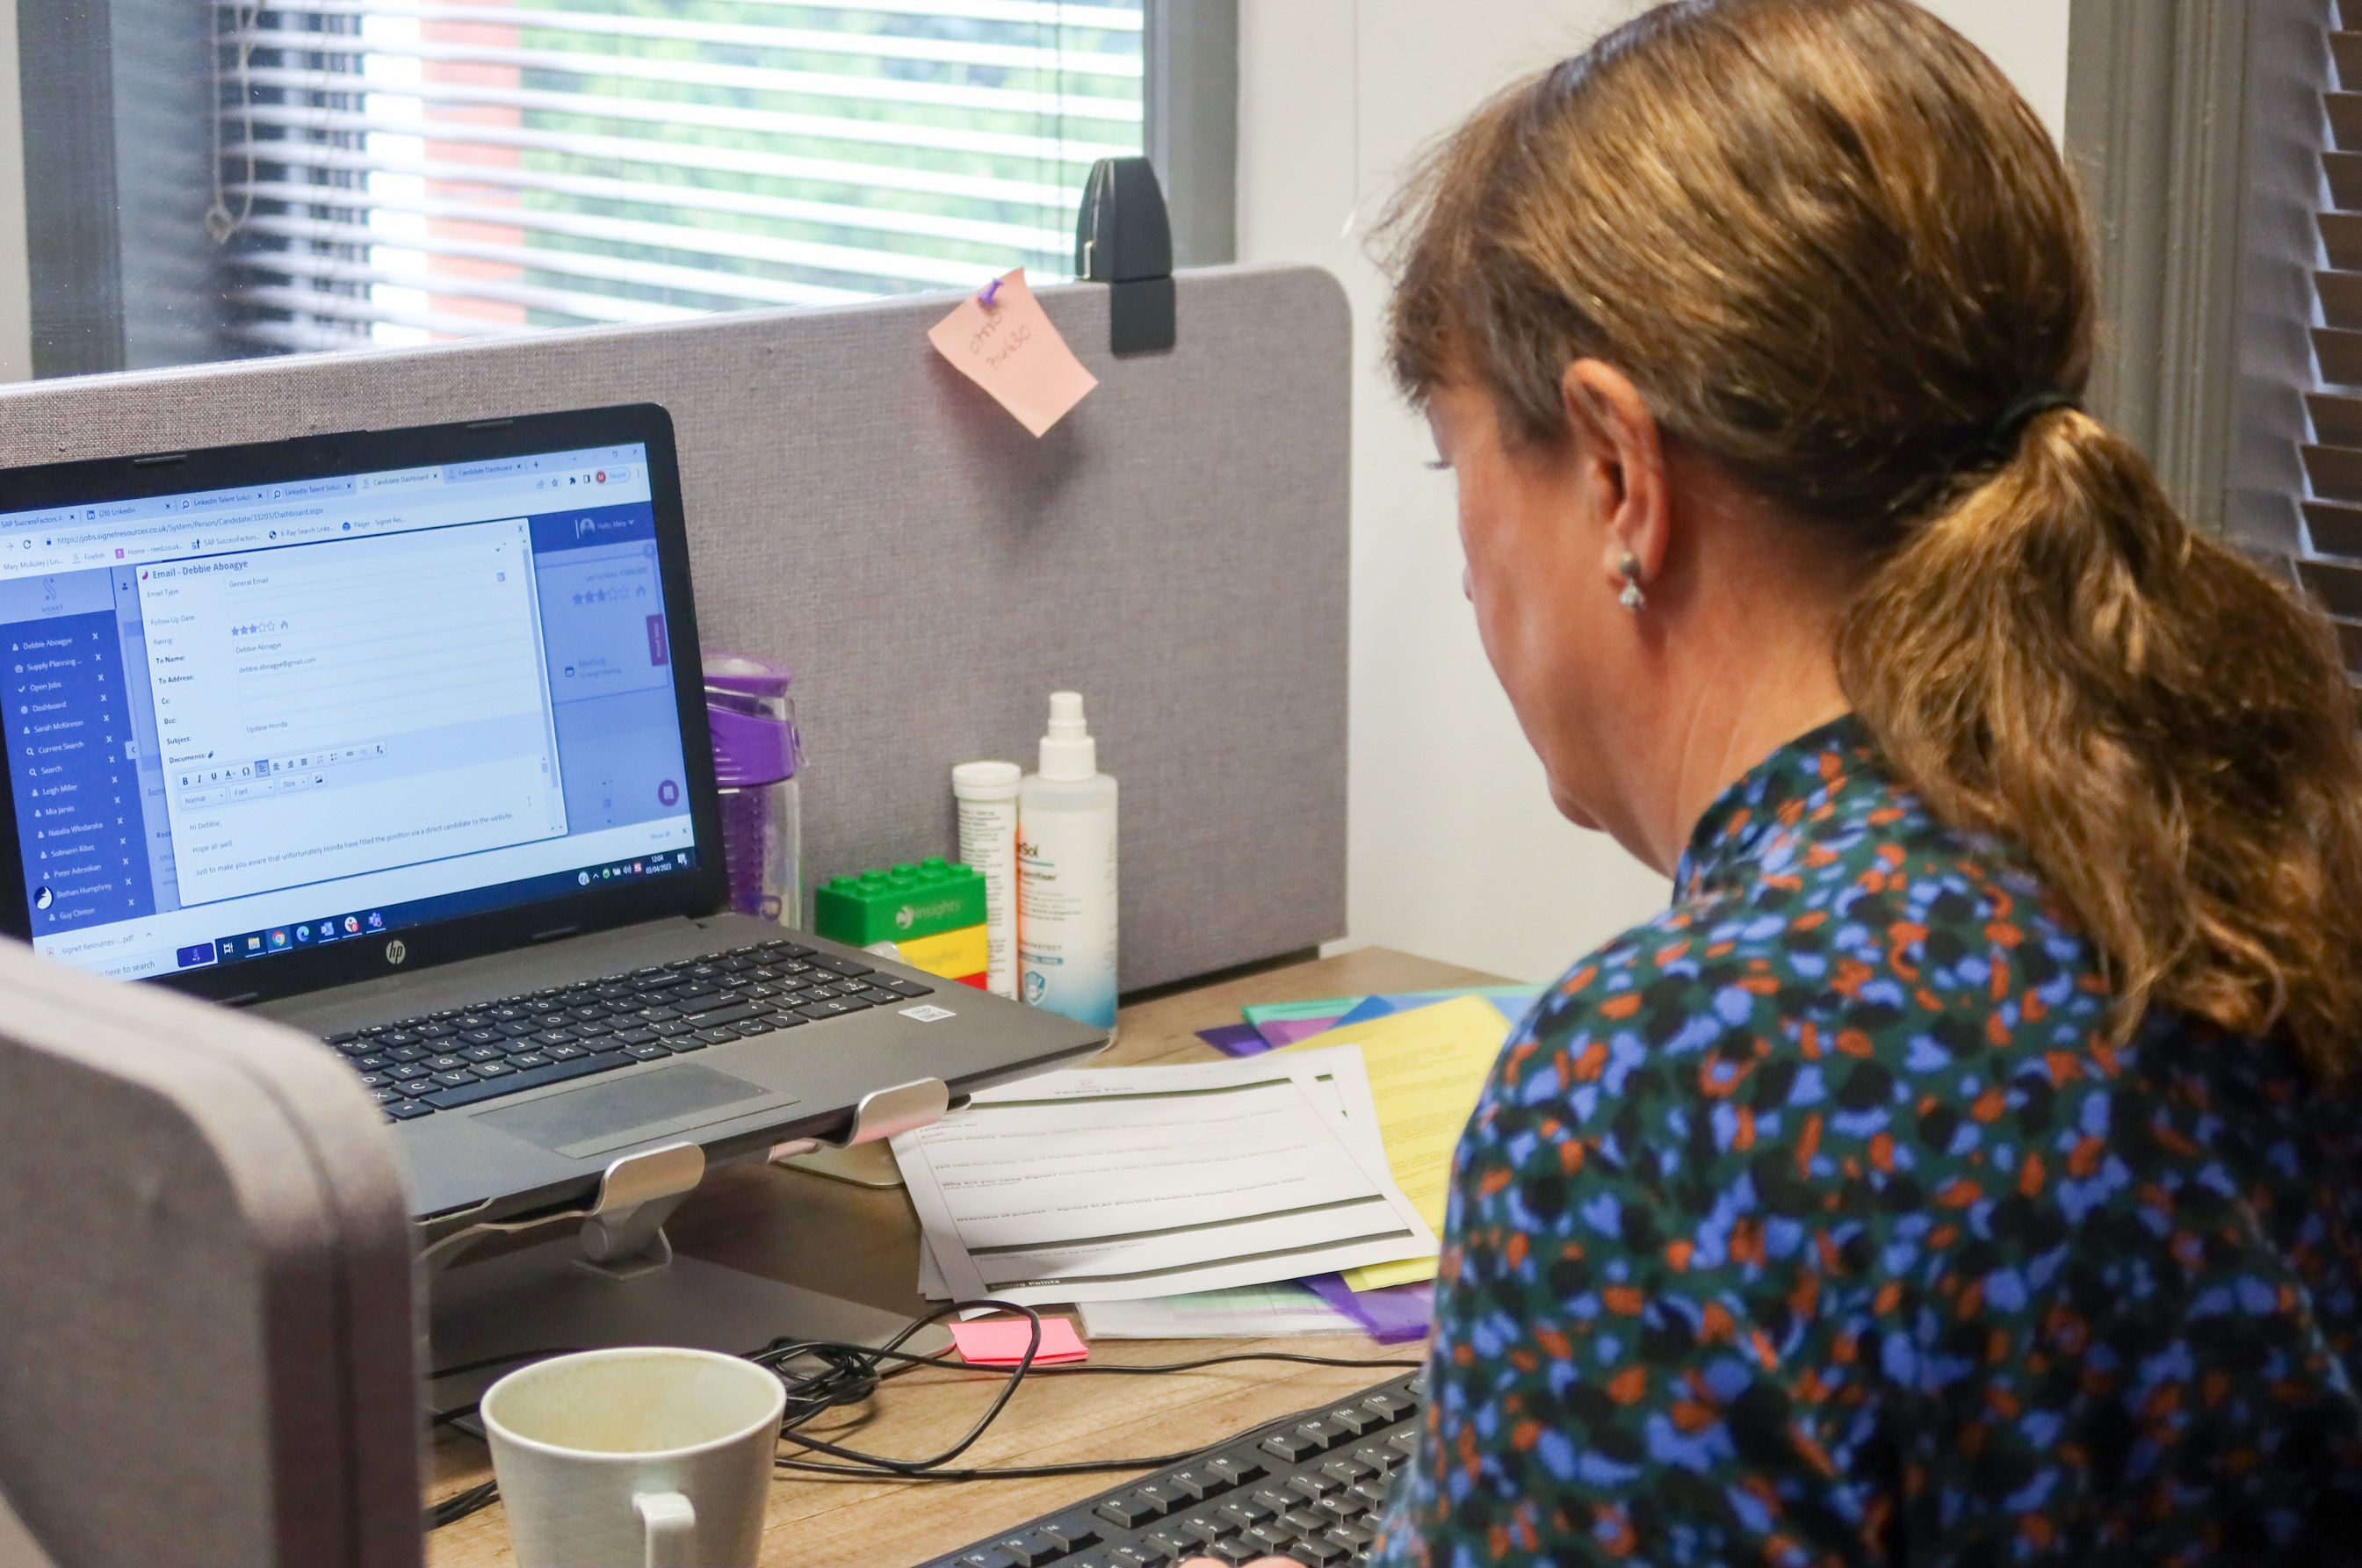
column 1840, row 256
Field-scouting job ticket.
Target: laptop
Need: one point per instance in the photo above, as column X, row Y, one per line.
column 399, row 737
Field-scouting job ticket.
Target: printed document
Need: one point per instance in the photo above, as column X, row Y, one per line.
column 1123, row 1182
column 1426, row 1069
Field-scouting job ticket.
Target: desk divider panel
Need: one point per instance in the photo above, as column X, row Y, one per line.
column 1175, row 550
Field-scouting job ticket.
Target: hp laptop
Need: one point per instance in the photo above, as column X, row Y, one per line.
column 399, row 737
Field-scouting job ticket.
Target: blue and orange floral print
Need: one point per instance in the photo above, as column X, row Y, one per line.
column 1820, row 1222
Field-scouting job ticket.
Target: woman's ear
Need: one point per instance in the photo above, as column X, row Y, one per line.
column 1617, row 437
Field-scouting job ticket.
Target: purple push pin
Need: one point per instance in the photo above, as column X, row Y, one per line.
column 991, row 291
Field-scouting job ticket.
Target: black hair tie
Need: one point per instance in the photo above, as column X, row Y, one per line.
column 2001, row 444
column 1988, row 453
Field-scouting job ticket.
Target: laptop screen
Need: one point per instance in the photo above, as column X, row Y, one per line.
column 245, row 723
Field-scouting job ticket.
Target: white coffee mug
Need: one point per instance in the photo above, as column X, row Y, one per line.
column 644, row 1457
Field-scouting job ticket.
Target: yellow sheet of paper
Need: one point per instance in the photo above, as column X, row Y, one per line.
column 1427, row 1067
column 1010, row 350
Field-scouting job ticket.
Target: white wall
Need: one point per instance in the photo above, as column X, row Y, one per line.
column 1456, row 852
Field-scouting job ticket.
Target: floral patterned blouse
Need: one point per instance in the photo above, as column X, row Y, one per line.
column 1818, row 1221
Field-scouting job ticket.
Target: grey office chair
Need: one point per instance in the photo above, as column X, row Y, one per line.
column 206, row 1352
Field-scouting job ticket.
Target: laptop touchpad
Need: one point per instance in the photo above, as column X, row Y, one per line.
column 593, row 1120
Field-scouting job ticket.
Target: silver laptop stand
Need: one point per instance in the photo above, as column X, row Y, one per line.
column 617, row 1281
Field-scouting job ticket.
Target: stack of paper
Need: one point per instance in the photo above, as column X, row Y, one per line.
column 1125, row 1184
column 1242, row 1312
column 1167, row 1201
column 1272, row 1024
column 1426, row 1068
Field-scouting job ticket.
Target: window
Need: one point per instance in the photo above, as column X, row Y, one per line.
column 2223, row 147
column 407, row 170
column 2328, row 299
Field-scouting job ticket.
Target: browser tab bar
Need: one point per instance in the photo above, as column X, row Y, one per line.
column 215, row 501
column 494, row 468
column 314, row 490
column 150, row 529
column 399, row 478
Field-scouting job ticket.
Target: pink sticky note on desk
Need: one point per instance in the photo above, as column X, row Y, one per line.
column 1001, row 1342
column 1011, row 350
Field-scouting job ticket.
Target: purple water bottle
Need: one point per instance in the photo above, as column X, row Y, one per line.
column 757, row 756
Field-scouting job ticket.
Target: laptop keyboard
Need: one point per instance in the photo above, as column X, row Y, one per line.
column 1309, row 1487
column 463, row 1056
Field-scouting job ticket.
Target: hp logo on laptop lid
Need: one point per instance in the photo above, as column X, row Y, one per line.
column 396, row 951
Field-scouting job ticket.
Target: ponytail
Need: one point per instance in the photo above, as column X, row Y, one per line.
column 2057, row 658
column 1835, row 250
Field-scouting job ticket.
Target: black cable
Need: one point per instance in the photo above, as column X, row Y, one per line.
column 459, row 1506
column 468, row 1366
column 990, row 1471
column 938, row 1469
column 852, row 1374
column 866, row 1360
column 1218, row 1361
column 458, row 1413
column 852, row 1377
column 945, row 1363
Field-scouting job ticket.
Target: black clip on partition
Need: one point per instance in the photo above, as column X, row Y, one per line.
column 1123, row 239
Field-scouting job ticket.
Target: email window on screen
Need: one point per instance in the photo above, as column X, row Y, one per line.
column 356, row 702
column 349, row 706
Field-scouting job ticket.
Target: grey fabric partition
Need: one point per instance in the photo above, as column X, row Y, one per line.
column 206, row 1352
column 1175, row 550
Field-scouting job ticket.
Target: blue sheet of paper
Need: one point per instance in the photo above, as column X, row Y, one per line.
column 1515, row 1002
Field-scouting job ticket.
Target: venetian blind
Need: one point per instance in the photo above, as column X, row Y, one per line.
column 402, row 171
column 2330, row 555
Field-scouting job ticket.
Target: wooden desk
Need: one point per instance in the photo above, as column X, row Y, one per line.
column 864, row 1244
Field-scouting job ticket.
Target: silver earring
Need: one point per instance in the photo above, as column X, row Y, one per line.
column 1632, row 599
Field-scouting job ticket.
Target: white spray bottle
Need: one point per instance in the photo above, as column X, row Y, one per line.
column 1066, row 874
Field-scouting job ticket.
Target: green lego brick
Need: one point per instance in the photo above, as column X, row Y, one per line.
column 894, row 905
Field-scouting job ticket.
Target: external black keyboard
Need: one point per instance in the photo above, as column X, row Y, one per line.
column 441, row 1061
column 1309, row 1486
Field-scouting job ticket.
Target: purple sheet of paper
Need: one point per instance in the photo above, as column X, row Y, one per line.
column 1235, row 1040
column 1281, row 1032
column 1391, row 1316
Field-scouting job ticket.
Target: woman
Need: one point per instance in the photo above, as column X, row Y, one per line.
column 1965, row 1168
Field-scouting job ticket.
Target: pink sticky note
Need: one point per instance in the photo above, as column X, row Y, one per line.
column 1011, row 350
column 1001, row 1342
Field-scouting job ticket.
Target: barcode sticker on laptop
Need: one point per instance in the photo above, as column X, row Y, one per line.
column 928, row 1013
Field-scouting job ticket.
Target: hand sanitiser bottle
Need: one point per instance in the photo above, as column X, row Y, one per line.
column 1065, row 874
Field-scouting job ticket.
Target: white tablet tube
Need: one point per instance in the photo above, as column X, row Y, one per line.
column 986, row 794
